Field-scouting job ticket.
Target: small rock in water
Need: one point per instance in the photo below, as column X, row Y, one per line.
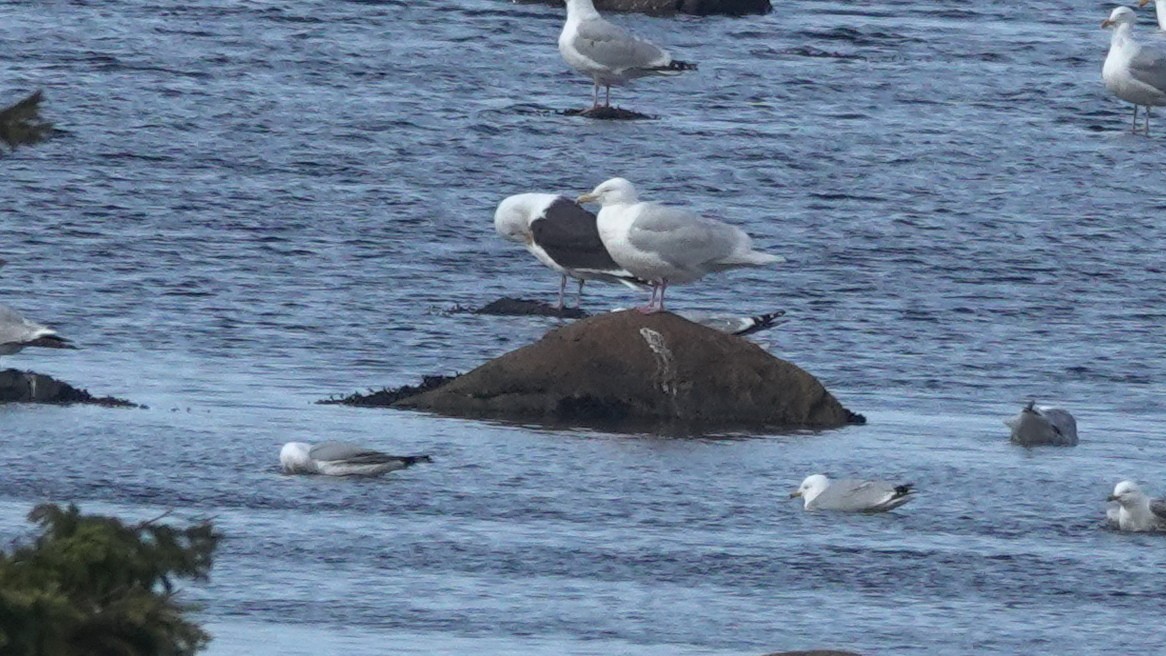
column 29, row 387
column 521, row 307
column 608, row 114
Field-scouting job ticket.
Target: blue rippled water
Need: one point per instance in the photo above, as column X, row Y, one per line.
column 258, row 204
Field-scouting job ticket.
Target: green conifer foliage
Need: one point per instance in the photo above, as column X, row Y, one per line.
column 91, row 585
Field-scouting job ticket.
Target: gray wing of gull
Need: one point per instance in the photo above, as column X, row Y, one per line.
column 681, row 237
column 1148, row 66
column 1158, row 507
column 735, row 325
column 348, row 452
column 856, row 495
column 14, row 328
column 615, row 48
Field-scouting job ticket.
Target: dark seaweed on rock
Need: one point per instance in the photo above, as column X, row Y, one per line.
column 521, row 307
column 21, row 124
column 386, row 396
column 608, row 114
column 29, row 387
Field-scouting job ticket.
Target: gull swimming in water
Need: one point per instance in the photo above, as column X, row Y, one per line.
column 609, row 54
column 820, row 493
column 16, row 333
column 667, row 245
column 1043, row 425
column 563, row 236
column 1134, row 71
column 1135, row 511
column 341, row 459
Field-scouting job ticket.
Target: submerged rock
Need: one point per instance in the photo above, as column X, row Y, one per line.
column 670, row 7
column 627, row 370
column 29, row 387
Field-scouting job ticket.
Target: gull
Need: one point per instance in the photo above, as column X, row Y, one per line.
column 820, row 493
column 1135, row 511
column 16, row 333
column 1159, row 11
column 1133, row 71
column 341, row 459
column 563, row 236
column 1043, row 425
column 609, row 54
column 666, row 245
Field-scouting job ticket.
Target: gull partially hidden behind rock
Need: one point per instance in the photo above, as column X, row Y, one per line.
column 609, row 54
column 666, row 245
column 1043, row 426
column 341, row 459
column 818, row 492
column 1134, row 71
column 17, row 333
column 563, row 236
column 1135, row 511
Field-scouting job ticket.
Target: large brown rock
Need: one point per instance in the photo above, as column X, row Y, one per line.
column 630, row 370
column 670, row 7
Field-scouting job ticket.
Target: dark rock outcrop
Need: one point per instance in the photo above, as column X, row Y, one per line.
column 626, row 370
column 21, row 123
column 28, row 387
column 671, row 7
column 521, row 307
column 608, row 114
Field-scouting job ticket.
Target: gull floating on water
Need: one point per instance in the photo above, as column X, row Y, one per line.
column 1159, row 11
column 1135, row 511
column 666, row 245
column 1134, row 71
column 341, row 459
column 1043, row 425
column 16, row 333
column 820, row 493
column 609, row 54
column 563, row 236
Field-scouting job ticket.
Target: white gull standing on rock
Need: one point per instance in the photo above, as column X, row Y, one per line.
column 609, row 54
column 1043, row 425
column 820, row 493
column 1135, row 511
column 16, row 333
column 666, row 245
column 562, row 235
column 1134, row 71
column 341, row 459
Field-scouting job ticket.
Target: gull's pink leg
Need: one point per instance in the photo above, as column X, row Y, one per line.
column 663, row 288
column 595, row 96
column 651, row 306
column 607, row 103
column 562, row 288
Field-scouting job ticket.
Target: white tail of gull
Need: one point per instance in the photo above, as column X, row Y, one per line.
column 1134, row 71
column 818, row 492
column 341, row 459
column 1159, row 11
column 666, row 245
column 609, row 54
column 1043, row 425
column 1135, row 511
column 562, row 235
column 17, row 333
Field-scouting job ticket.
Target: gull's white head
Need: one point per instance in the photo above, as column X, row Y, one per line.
column 616, row 191
column 294, row 458
column 811, row 487
column 512, row 218
column 1120, row 16
column 1128, row 494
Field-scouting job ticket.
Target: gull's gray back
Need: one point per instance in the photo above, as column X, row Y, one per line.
column 331, row 451
column 681, row 237
column 855, row 495
column 1148, row 66
column 613, row 47
column 15, row 329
